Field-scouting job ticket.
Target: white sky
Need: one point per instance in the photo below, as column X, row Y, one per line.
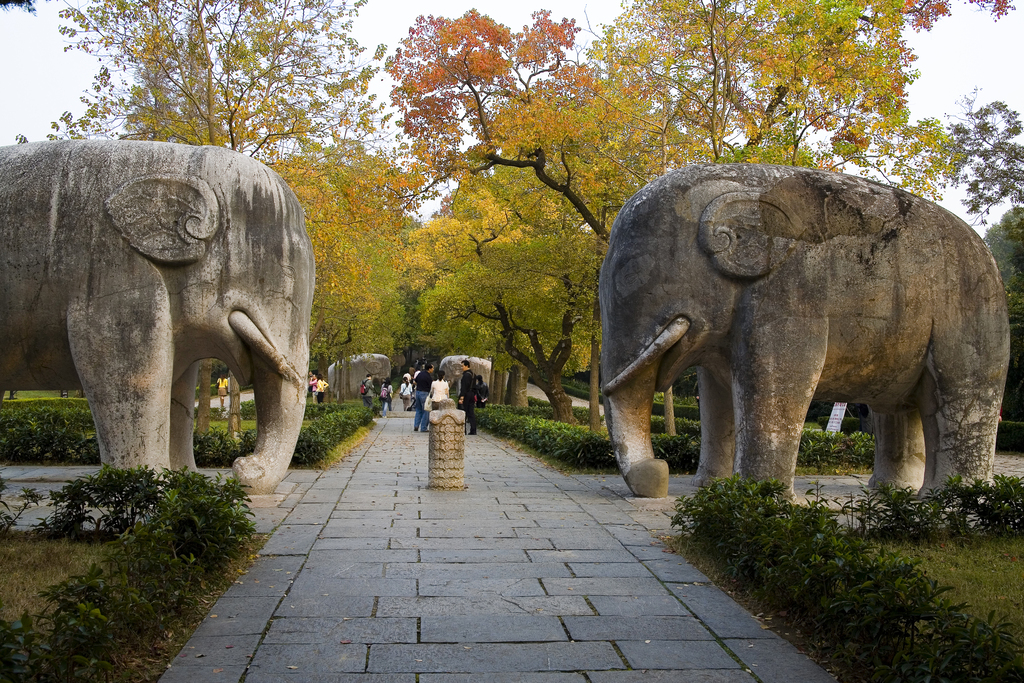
column 965, row 51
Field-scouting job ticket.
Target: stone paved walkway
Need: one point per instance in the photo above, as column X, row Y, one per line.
column 528, row 575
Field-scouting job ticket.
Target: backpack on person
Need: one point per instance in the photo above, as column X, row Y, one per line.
column 362, row 388
column 385, row 392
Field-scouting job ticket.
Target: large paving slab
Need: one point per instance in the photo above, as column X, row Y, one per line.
column 528, row 575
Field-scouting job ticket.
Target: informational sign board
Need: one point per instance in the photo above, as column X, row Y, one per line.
column 835, row 420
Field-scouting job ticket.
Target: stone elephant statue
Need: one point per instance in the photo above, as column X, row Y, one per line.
column 785, row 284
column 345, row 376
column 125, row 263
column 452, row 366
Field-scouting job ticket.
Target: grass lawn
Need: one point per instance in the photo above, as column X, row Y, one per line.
column 29, row 564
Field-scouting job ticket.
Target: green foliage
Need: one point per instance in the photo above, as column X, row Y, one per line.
column 871, row 610
column 836, row 452
column 690, row 412
column 318, row 440
column 218, row 448
column 114, row 501
column 48, row 431
column 8, row 515
column 176, row 527
column 683, row 425
column 1010, row 436
column 65, row 403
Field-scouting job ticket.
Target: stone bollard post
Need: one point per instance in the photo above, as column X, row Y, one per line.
column 446, row 446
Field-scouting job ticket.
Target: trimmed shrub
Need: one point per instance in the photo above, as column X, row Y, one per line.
column 683, row 426
column 688, row 412
column 48, row 431
column 79, row 404
column 318, row 440
column 871, row 610
column 836, row 452
column 1010, row 436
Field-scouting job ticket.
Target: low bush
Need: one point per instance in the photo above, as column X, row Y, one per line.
column 836, row 452
column 1010, row 436
column 9, row 515
column 48, row 431
column 689, row 412
column 318, row 440
column 871, row 610
column 958, row 508
column 683, row 425
column 150, row 573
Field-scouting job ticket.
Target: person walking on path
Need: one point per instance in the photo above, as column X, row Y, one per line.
column 467, row 396
column 405, row 392
column 222, row 389
column 321, row 388
column 422, row 381
column 481, row 391
column 366, row 391
column 438, row 389
column 385, row 398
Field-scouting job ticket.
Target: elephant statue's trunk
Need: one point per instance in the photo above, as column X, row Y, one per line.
column 280, row 406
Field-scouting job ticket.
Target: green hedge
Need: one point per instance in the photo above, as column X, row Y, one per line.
column 683, row 425
column 49, row 431
column 61, row 431
column 1010, row 436
column 685, row 411
column 577, row 445
column 873, row 611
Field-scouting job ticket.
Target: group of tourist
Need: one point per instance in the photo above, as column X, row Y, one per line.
column 317, row 386
column 421, row 389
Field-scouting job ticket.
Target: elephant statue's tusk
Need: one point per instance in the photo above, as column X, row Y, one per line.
column 669, row 336
column 243, row 325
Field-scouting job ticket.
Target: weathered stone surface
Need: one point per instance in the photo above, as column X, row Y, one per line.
column 126, row 262
column 490, row 628
column 452, row 367
column 783, row 284
column 487, row 657
column 635, row 628
column 344, row 377
column 776, row 661
column 670, row 654
column 447, row 446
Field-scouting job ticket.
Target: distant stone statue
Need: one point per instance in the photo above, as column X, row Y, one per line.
column 452, row 366
column 446, row 446
column 345, row 376
column 125, row 263
column 786, row 284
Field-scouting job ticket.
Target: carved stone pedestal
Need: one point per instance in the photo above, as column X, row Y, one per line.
column 446, row 446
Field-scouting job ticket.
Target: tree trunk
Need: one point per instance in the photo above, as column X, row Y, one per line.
column 561, row 403
column 498, row 382
column 517, row 386
column 203, row 411
column 235, row 413
column 670, row 413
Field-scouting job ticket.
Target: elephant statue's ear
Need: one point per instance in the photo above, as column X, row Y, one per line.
column 746, row 234
column 165, row 218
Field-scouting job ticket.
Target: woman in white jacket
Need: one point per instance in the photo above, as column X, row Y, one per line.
column 438, row 389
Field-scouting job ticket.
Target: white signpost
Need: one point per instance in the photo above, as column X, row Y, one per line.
column 835, row 420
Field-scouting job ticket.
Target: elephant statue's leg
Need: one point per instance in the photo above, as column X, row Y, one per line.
column 717, row 428
column 960, row 416
column 124, row 354
column 780, row 363
column 629, row 419
column 899, row 449
column 183, row 400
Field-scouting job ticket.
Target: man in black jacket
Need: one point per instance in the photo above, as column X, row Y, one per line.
column 467, row 398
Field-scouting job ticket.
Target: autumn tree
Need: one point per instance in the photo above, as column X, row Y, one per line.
column 821, row 84
column 477, row 97
column 512, row 264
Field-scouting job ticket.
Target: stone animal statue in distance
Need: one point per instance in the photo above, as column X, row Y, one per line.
column 784, row 284
column 125, row 263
